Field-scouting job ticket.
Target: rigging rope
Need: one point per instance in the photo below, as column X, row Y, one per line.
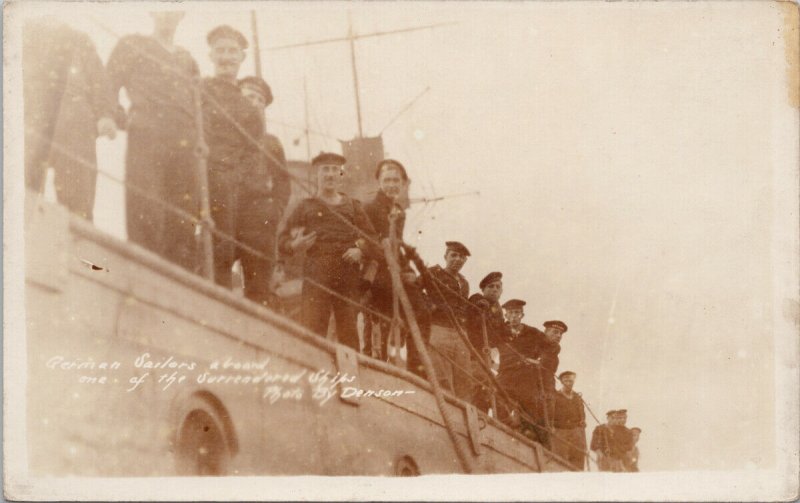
column 207, row 224
column 253, row 141
column 461, row 451
column 87, row 165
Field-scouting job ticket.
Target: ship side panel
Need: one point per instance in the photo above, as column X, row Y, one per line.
column 173, row 397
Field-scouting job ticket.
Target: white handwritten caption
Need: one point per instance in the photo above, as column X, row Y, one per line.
column 169, row 371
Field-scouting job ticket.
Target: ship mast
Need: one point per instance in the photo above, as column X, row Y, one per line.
column 351, row 38
column 362, row 152
column 256, row 47
column 259, row 73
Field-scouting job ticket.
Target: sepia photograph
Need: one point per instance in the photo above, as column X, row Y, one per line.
column 493, row 251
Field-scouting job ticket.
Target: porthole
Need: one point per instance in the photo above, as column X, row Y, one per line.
column 201, row 448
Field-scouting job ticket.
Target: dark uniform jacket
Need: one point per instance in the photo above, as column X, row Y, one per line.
column 233, row 127
column 518, row 377
column 266, row 186
column 568, row 412
column 65, row 91
column 602, row 439
column 622, row 441
column 63, row 73
column 495, row 323
column 159, row 83
column 613, row 440
column 547, row 353
column 47, row 53
column 335, row 235
column 378, row 211
column 445, row 293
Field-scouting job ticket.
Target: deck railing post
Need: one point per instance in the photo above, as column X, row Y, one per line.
column 201, row 153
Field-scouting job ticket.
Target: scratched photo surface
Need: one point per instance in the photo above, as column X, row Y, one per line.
column 213, row 286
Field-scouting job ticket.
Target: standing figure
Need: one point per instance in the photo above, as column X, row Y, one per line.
column 336, row 235
column 264, row 194
column 447, row 292
column 68, row 103
column 160, row 164
column 392, row 182
column 601, row 443
column 519, row 373
column 569, row 423
column 547, row 354
column 486, row 328
column 632, row 458
column 546, row 364
column 233, row 130
column 622, row 441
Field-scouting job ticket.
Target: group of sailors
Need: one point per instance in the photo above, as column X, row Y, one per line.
column 175, row 119
column 615, row 445
column 480, row 349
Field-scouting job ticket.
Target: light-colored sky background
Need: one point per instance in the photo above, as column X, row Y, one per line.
column 625, row 169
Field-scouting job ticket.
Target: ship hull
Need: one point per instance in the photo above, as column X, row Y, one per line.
column 139, row 368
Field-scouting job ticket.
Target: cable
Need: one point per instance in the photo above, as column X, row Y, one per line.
column 522, row 412
column 394, row 269
column 474, row 351
column 302, row 184
column 523, row 358
column 85, row 164
column 198, row 221
column 426, row 275
column 254, row 142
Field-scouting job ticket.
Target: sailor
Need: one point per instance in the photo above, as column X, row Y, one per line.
column 632, row 457
column 545, row 363
column 550, row 347
column 485, row 327
column 68, row 103
column 233, row 130
column 392, row 183
column 622, row 440
column 569, row 422
column 447, row 293
column 392, row 179
column 264, row 194
column 161, row 168
column 336, row 235
column 602, row 438
column 519, row 369
column 488, row 303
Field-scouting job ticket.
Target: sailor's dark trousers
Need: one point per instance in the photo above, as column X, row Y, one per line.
column 223, row 191
column 161, row 181
column 257, row 228
column 334, row 274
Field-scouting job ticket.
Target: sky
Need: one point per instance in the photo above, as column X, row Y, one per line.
column 626, row 171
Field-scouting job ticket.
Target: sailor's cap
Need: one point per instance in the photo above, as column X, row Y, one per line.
column 611, row 413
column 514, row 304
column 490, row 278
column 621, row 412
column 259, row 85
column 556, row 324
column 328, row 158
column 225, row 31
column 458, row 247
column 567, row 373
